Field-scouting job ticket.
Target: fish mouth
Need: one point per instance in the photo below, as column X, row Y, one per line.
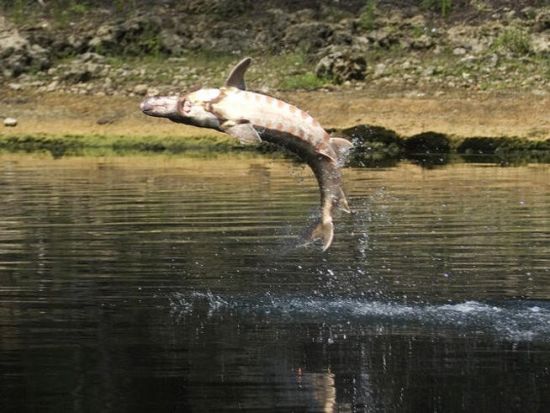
column 146, row 107
column 160, row 106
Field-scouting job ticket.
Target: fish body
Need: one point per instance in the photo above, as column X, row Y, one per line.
column 254, row 117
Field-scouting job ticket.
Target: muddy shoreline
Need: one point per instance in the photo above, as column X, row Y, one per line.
column 459, row 114
column 383, row 127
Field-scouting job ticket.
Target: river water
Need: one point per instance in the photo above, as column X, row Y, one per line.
column 173, row 284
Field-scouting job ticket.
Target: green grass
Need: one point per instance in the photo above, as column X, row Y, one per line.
column 120, row 145
column 61, row 12
column 122, row 6
column 18, row 10
column 513, row 40
column 211, row 67
column 367, row 18
column 287, row 71
column 442, row 6
column 375, row 145
column 306, row 81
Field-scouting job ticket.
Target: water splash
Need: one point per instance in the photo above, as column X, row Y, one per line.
column 514, row 320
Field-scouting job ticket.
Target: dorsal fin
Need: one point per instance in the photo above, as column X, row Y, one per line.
column 236, row 77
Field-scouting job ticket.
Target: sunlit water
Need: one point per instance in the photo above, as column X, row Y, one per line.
column 172, row 284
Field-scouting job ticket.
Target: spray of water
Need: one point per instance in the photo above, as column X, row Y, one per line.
column 516, row 321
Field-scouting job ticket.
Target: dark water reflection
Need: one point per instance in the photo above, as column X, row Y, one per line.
column 169, row 284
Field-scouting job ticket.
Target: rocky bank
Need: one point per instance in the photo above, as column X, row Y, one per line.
column 95, row 49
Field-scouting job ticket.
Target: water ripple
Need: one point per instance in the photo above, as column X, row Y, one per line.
column 512, row 320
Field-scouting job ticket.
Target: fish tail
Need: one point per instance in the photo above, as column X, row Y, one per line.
column 322, row 231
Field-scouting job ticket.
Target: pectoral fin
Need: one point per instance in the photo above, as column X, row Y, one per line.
column 244, row 132
column 341, row 147
column 343, row 202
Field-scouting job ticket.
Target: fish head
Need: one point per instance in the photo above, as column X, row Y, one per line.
column 190, row 109
column 196, row 108
column 161, row 106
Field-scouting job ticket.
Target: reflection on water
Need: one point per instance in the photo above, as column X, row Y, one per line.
column 170, row 284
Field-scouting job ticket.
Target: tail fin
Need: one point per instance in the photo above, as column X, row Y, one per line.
column 341, row 147
column 323, row 231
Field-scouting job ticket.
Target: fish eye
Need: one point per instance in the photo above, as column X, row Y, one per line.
column 184, row 106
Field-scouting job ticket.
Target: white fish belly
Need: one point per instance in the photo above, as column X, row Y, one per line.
column 270, row 113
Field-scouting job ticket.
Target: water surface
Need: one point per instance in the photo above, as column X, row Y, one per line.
column 172, row 284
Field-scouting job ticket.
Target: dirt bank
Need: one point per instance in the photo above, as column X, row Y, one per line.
column 456, row 113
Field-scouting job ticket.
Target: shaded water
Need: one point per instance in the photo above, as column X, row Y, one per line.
column 171, row 284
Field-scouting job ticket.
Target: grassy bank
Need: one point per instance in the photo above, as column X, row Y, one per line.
column 100, row 145
column 373, row 146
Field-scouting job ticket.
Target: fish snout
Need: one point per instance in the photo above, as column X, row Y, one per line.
column 146, row 106
column 160, row 106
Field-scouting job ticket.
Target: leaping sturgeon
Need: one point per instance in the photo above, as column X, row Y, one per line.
column 254, row 117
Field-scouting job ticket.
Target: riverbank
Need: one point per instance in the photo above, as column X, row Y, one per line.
column 421, row 78
column 382, row 127
column 456, row 113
